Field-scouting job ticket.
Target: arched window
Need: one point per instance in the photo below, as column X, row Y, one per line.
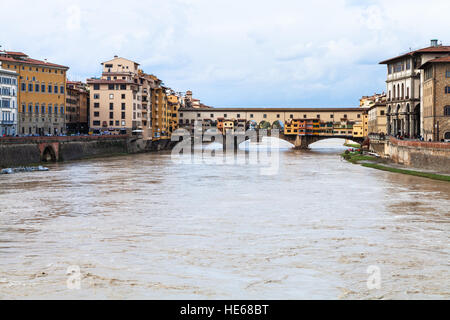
column 447, row 136
column 43, row 108
column 403, row 91
column 447, row 111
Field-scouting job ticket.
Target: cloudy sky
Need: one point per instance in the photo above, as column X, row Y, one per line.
column 232, row 53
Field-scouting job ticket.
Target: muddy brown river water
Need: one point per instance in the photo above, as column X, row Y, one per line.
column 144, row 227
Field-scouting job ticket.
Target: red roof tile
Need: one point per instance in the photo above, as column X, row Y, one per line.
column 438, row 49
column 34, row 62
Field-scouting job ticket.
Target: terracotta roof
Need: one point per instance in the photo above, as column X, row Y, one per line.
column 33, row 62
column 438, row 49
column 14, row 53
column 287, row 109
column 441, row 59
column 445, row 59
column 105, row 81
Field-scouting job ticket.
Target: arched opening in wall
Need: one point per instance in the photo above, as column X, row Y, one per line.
column 264, row 125
column 278, row 125
column 407, row 120
column 397, row 121
column 334, row 144
column 447, row 136
column 388, row 120
column 251, row 125
column 417, row 120
column 48, row 155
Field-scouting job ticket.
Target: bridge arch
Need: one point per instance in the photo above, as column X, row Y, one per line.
column 48, row 154
column 264, row 125
column 278, row 124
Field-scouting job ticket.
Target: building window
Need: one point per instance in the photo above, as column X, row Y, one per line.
column 318, row 116
column 111, row 115
column 428, row 73
column 24, row 87
column 36, row 87
column 61, row 90
column 447, row 90
column 43, row 87
column 123, row 115
column 265, row 116
column 96, row 123
column 123, row 96
column 49, row 89
column 96, row 96
column 96, row 105
column 382, row 113
column 96, row 86
column 225, row 115
column 447, row 74
column 111, row 106
column 56, row 89
column 447, row 111
column 96, row 114
column 30, row 87
column 62, row 109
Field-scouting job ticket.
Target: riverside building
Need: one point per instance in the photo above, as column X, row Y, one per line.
column 436, row 99
column 41, row 94
column 405, row 114
column 77, row 107
column 8, row 102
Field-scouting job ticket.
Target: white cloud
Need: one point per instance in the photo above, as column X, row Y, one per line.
column 247, row 52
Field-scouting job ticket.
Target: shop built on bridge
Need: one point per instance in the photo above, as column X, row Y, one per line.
column 299, row 126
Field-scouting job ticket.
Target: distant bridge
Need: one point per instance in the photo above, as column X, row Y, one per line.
column 234, row 139
column 273, row 118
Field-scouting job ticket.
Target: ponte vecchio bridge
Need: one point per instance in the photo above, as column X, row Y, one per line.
column 332, row 122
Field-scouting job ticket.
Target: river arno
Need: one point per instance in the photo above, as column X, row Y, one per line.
column 145, row 227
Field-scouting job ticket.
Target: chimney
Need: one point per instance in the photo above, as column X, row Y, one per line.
column 434, row 43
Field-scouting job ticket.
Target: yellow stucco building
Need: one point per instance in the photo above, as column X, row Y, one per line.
column 41, row 93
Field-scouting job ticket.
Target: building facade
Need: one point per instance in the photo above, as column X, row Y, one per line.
column 116, row 98
column 404, row 90
column 377, row 123
column 160, row 112
column 41, row 94
column 8, row 102
column 436, row 99
column 77, row 107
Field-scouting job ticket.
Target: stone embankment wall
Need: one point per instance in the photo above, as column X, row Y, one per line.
column 16, row 152
column 423, row 155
